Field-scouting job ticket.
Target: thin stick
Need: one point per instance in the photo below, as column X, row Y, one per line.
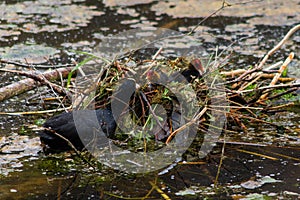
column 35, row 112
column 277, row 75
column 187, row 124
column 281, row 106
column 152, row 111
column 289, row 91
column 78, row 153
column 241, row 71
column 220, row 164
column 271, row 87
column 150, row 191
column 163, row 195
column 257, row 154
column 35, row 66
column 284, row 156
column 278, row 46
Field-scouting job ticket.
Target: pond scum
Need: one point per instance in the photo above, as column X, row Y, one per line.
column 252, row 95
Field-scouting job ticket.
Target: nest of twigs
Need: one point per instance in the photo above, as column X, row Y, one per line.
column 241, row 95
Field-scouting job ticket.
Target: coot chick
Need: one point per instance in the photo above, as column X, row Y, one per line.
column 68, row 125
column 194, row 70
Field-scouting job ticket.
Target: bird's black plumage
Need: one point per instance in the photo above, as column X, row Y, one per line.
column 71, row 124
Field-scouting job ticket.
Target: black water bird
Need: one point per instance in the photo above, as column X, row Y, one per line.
column 70, row 124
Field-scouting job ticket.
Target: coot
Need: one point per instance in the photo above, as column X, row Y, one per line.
column 68, row 125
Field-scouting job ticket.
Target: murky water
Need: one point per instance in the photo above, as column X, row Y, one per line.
column 43, row 32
